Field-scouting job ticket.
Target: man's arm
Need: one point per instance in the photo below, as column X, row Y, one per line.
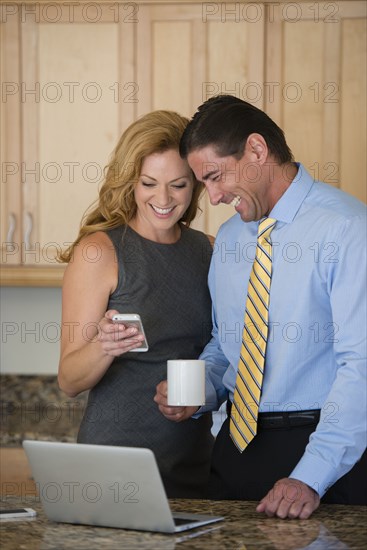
column 340, row 437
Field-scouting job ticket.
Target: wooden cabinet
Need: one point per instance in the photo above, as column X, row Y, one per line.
column 75, row 75
column 316, row 62
column 68, row 90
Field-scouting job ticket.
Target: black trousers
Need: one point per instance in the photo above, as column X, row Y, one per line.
column 272, row 455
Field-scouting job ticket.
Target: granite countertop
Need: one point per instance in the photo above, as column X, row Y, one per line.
column 332, row 527
column 33, row 407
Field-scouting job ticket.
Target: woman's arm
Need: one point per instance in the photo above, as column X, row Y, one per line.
column 89, row 339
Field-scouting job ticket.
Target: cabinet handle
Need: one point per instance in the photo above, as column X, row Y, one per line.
column 11, row 230
column 28, row 229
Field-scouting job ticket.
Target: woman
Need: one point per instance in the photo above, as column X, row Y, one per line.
column 135, row 253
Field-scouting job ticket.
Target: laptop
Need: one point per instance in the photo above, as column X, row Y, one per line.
column 105, row 486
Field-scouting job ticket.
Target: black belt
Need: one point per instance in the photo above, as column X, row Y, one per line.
column 267, row 421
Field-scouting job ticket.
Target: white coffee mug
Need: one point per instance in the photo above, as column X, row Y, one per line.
column 186, row 382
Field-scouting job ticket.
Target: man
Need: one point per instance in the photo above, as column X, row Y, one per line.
column 288, row 347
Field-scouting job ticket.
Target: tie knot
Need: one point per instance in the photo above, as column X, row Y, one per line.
column 265, row 227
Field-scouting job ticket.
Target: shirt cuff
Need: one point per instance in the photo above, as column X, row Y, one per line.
column 211, row 402
column 315, row 472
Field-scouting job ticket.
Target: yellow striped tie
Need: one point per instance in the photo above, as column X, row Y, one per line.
column 245, row 408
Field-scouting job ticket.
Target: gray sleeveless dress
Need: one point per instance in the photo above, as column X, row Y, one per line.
column 167, row 285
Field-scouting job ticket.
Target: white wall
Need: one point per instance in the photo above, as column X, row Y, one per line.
column 30, row 330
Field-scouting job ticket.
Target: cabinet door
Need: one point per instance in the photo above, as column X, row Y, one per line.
column 10, row 143
column 188, row 53
column 76, row 96
column 316, row 87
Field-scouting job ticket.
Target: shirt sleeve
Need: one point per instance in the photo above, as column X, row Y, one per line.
column 340, row 438
column 216, row 363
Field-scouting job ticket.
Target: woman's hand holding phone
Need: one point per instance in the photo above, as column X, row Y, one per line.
column 118, row 335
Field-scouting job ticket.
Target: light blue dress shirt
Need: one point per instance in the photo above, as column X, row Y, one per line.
column 316, row 351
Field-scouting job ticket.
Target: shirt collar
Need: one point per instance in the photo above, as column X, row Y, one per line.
column 286, row 208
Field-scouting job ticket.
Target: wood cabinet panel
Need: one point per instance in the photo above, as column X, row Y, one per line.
column 314, row 58
column 77, row 130
column 353, row 127
column 10, row 143
column 70, row 127
column 172, row 62
column 302, row 103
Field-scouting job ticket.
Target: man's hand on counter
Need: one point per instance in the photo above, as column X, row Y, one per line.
column 176, row 414
column 289, row 498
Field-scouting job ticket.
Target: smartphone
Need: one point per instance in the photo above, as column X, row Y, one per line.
column 17, row 513
column 132, row 320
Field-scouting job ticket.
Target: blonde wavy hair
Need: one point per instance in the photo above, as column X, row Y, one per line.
column 155, row 132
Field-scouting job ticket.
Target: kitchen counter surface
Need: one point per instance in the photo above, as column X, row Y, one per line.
column 33, row 407
column 332, row 527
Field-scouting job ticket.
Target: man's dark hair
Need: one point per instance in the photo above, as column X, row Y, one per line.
column 225, row 122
